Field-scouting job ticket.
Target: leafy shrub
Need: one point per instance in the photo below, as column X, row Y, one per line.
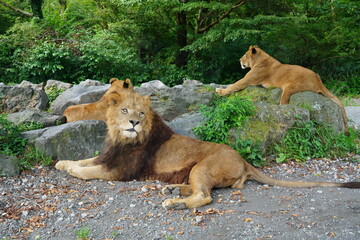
column 315, row 140
column 53, row 92
column 12, row 143
column 11, row 140
column 224, row 114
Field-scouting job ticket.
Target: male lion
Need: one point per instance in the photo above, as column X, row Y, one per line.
column 97, row 110
column 140, row 146
column 269, row 72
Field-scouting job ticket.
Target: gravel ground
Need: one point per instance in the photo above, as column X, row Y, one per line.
column 48, row 204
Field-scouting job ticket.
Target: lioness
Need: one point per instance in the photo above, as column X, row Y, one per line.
column 269, row 72
column 140, row 146
column 97, row 110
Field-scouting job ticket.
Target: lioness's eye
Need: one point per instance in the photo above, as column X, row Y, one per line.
column 141, row 114
column 124, row 110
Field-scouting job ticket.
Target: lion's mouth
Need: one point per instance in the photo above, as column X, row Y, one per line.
column 131, row 130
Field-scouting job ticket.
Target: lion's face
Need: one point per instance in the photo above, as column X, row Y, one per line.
column 248, row 59
column 129, row 119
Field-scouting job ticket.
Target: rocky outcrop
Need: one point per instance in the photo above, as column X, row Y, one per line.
column 71, row 141
column 170, row 103
column 16, row 99
column 78, row 94
column 177, row 105
column 36, row 115
column 9, row 166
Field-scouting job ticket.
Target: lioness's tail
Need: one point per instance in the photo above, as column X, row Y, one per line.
column 330, row 95
column 261, row 177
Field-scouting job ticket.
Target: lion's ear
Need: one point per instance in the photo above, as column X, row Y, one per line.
column 114, row 98
column 128, row 84
column 147, row 100
column 113, row 80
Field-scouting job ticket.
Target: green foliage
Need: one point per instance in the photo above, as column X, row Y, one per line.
column 224, row 114
column 32, row 157
column 83, row 233
column 100, row 39
column 249, row 151
column 53, row 92
column 315, row 140
column 11, row 140
column 12, row 143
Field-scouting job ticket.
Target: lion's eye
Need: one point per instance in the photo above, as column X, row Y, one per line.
column 141, row 114
column 124, row 110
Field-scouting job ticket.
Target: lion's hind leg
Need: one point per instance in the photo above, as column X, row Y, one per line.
column 198, row 191
column 177, row 189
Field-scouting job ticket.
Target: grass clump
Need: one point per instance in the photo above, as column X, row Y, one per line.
column 316, row 140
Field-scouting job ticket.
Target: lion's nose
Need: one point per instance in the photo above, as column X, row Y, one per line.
column 134, row 122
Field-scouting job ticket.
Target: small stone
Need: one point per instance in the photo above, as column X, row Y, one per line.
column 144, row 189
column 132, row 205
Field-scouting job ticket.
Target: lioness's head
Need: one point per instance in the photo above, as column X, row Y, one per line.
column 118, row 86
column 129, row 118
column 249, row 58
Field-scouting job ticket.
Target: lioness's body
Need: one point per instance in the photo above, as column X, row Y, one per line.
column 140, row 146
column 96, row 110
column 269, row 72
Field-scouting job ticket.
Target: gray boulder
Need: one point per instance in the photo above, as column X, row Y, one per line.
column 25, row 83
column 78, row 94
column 153, row 84
column 16, row 99
column 35, row 115
column 353, row 114
column 321, row 108
column 57, row 84
column 71, row 141
column 91, row 83
column 185, row 123
column 9, row 166
column 170, row 103
column 270, row 124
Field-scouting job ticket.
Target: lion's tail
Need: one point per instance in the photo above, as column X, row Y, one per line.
column 261, row 177
column 330, row 95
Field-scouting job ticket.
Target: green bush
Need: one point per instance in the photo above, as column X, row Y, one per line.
column 315, row 140
column 12, row 143
column 224, row 114
column 11, row 140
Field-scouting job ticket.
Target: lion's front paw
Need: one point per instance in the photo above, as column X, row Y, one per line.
column 173, row 204
column 220, row 91
column 63, row 165
column 170, row 190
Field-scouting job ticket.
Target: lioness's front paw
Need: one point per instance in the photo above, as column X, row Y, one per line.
column 173, row 204
column 220, row 91
column 170, row 190
column 62, row 165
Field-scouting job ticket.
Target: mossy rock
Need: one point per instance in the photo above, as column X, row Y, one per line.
column 269, row 124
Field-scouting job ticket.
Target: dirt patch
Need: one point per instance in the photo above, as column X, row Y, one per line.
column 47, row 204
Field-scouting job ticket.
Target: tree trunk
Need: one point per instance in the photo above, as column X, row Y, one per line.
column 36, row 7
column 181, row 35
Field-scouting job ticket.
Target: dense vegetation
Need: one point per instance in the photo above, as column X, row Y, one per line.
column 173, row 40
column 303, row 141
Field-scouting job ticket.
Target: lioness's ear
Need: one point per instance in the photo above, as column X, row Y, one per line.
column 128, row 84
column 253, row 50
column 113, row 80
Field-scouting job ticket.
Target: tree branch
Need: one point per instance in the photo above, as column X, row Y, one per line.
column 233, row 7
column 17, row 10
